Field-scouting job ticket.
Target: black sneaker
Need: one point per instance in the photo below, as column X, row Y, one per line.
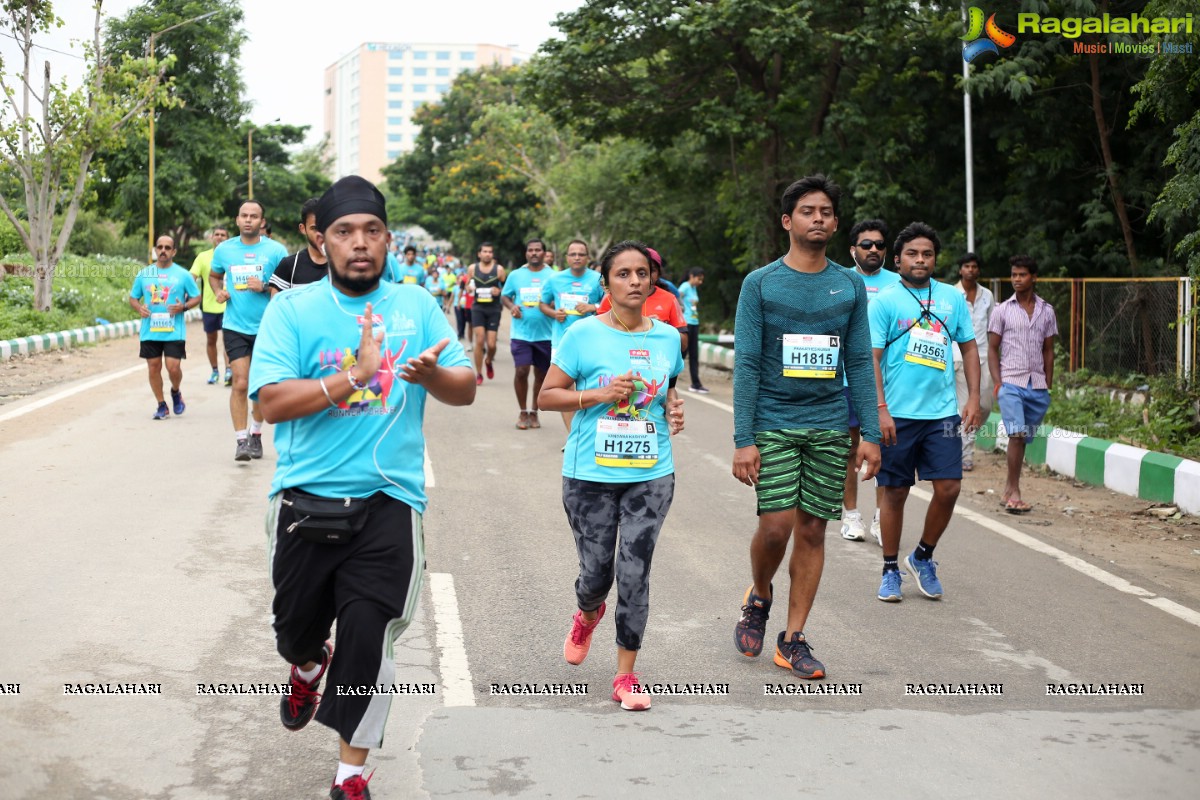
column 752, row 627
column 256, row 445
column 353, row 788
column 797, row 656
column 297, row 708
column 243, row 451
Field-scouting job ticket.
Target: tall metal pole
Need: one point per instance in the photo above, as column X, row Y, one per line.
column 250, row 164
column 968, row 149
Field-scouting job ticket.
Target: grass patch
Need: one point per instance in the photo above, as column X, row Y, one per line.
column 85, row 288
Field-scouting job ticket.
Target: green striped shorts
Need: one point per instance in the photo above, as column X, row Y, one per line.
column 802, row 467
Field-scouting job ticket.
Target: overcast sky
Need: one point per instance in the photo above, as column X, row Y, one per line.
column 291, row 43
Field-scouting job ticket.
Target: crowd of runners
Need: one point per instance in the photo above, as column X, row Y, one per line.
column 877, row 371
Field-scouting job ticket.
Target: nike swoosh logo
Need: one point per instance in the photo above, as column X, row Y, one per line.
column 839, row 291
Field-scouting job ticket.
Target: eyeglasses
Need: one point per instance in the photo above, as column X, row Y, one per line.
column 867, row 244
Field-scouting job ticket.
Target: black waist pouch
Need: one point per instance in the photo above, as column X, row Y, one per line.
column 326, row 520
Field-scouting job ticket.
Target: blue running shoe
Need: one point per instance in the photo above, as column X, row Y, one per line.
column 162, row 412
column 216, row 376
column 925, row 574
column 177, row 399
column 889, row 587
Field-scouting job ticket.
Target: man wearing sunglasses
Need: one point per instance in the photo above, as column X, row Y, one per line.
column 868, row 248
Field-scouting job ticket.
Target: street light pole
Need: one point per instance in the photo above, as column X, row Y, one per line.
column 153, row 96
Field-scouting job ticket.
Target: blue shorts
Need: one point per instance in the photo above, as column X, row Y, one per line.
column 212, row 322
column 526, row 353
column 850, row 408
column 931, row 448
column 1022, row 409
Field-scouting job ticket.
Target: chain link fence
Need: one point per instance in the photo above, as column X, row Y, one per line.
column 1119, row 326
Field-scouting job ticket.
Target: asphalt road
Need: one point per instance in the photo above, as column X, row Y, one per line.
column 134, row 552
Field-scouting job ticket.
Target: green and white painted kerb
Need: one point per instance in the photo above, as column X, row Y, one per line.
column 714, row 355
column 64, row 339
column 1156, row 477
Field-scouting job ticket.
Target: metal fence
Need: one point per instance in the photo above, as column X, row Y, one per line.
column 1118, row 326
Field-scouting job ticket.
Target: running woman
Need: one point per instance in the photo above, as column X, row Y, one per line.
column 801, row 325
column 485, row 279
column 617, row 371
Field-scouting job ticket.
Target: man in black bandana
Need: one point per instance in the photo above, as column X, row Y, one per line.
column 343, row 369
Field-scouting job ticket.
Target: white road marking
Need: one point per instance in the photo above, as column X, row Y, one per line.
column 457, row 687
column 83, row 387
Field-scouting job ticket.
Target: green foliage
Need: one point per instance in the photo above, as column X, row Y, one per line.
column 10, row 241
column 200, row 148
column 1166, row 423
column 86, row 288
column 93, row 235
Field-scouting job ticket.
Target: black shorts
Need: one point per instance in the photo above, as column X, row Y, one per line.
column 238, row 345
column 486, row 315
column 153, row 349
column 212, row 322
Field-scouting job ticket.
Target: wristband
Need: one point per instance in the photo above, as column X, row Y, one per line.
column 325, row 389
column 882, row 405
column 354, row 383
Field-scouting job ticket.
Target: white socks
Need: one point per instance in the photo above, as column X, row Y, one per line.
column 308, row 675
column 255, row 428
column 346, row 771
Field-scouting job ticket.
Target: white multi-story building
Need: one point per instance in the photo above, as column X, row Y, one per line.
column 372, row 92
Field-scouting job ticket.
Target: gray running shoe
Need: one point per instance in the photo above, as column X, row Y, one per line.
column 243, row 451
column 256, row 445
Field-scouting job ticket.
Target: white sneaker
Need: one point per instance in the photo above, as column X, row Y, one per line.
column 876, row 533
column 852, row 526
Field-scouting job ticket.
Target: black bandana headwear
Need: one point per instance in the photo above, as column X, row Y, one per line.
column 350, row 195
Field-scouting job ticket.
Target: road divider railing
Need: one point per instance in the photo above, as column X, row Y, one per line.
column 62, row 340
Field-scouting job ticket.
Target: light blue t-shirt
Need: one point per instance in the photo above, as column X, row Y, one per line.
column 564, row 291
column 524, row 287
column 882, row 279
column 245, row 308
column 314, row 331
column 620, row 443
column 391, row 271
column 159, row 289
column 412, row 273
column 917, row 365
column 691, row 300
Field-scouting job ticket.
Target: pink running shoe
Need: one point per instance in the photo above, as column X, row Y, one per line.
column 628, row 692
column 579, row 640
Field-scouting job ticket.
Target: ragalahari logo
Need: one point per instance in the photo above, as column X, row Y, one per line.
column 974, row 46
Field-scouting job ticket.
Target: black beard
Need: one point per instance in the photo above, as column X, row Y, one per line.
column 918, row 284
column 353, row 285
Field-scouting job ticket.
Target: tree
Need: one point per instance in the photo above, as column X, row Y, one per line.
column 48, row 137
column 200, row 143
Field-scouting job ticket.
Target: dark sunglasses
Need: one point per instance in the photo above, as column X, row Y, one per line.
column 867, row 244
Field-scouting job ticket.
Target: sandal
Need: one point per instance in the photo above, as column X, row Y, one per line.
column 1017, row 507
column 968, row 466
column 523, row 421
column 533, row 420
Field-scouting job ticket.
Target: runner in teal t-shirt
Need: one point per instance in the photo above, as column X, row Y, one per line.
column 569, row 296
column 617, row 370
column 912, row 325
column 344, row 368
column 410, row 270
column 249, row 260
column 161, row 293
column 529, row 336
column 689, row 297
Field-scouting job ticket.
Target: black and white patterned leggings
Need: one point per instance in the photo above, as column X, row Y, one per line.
column 616, row 526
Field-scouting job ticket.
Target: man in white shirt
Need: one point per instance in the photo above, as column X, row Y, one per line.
column 981, row 302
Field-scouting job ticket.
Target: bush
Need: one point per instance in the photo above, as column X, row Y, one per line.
column 10, row 240
column 84, row 289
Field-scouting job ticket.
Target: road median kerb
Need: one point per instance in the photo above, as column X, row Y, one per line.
column 60, row 340
column 1150, row 476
